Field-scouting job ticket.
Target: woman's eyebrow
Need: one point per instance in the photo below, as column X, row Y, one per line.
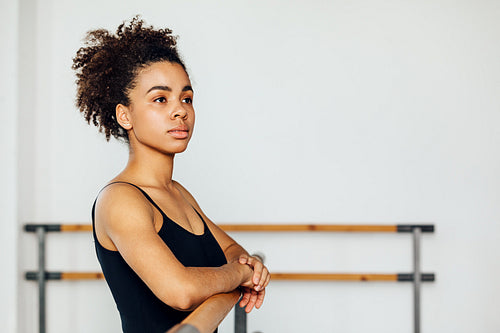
column 167, row 88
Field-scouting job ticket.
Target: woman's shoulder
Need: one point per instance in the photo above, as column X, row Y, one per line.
column 120, row 199
column 121, row 210
column 118, row 190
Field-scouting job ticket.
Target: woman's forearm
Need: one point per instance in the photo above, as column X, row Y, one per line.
column 199, row 283
column 234, row 251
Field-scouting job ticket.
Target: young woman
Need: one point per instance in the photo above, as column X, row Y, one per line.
column 160, row 254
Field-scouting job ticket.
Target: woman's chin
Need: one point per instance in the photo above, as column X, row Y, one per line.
column 176, row 150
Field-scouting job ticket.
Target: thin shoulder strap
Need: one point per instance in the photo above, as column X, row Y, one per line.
column 142, row 191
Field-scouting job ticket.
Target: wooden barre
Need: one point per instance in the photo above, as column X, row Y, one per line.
column 333, row 277
column 209, row 314
column 82, row 275
column 267, row 227
column 205, row 317
column 76, row 227
column 274, row 276
column 308, row 228
column 272, row 227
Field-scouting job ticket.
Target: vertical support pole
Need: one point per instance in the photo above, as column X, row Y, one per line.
column 240, row 319
column 40, row 232
column 416, row 278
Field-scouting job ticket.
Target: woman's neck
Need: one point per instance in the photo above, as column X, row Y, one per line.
column 149, row 168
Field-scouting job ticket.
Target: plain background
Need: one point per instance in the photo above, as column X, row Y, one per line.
column 307, row 112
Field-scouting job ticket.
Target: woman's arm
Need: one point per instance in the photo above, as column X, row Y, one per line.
column 236, row 253
column 125, row 220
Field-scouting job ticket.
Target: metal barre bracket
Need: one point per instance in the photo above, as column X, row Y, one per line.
column 412, row 227
column 45, row 227
column 424, row 277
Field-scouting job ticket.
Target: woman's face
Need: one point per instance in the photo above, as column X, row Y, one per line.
column 161, row 112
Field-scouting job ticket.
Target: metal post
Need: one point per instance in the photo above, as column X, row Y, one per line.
column 240, row 319
column 416, row 278
column 40, row 232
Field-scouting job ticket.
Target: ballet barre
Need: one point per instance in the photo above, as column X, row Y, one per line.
column 208, row 315
column 416, row 277
column 404, row 228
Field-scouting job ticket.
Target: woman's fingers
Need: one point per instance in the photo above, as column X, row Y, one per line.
column 243, row 259
column 251, row 302
column 268, row 279
column 260, row 299
column 252, row 299
column 258, row 269
column 264, row 279
column 245, row 298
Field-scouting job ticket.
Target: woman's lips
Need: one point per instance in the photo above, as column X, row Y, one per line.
column 180, row 132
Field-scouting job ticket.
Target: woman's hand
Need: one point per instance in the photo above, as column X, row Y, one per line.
column 254, row 295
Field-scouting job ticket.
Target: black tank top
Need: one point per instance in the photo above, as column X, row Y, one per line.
column 140, row 310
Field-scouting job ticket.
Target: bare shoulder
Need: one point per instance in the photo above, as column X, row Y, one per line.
column 121, row 209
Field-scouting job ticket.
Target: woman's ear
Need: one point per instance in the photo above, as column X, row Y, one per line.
column 122, row 116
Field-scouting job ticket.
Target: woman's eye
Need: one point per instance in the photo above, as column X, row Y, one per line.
column 188, row 100
column 160, row 100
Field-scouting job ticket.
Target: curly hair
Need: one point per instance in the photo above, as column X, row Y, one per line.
column 107, row 67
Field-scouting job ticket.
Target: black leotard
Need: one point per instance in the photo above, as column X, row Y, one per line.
column 140, row 310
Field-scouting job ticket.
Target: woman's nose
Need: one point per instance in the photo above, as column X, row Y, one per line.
column 179, row 111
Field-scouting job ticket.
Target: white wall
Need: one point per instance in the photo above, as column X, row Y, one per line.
column 325, row 112
column 8, row 146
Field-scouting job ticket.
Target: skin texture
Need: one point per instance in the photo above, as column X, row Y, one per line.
column 159, row 121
